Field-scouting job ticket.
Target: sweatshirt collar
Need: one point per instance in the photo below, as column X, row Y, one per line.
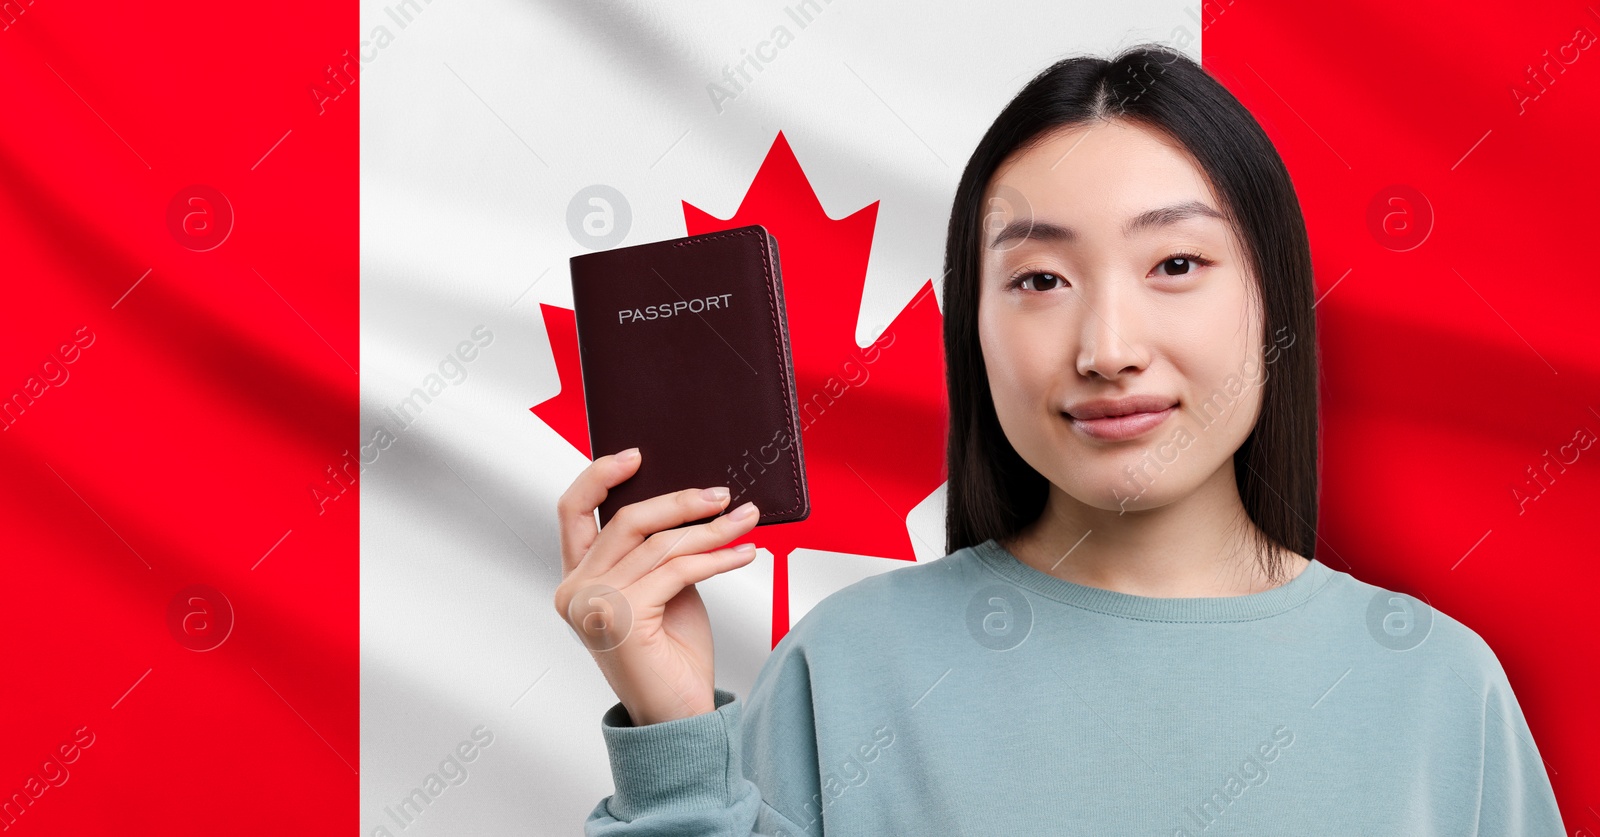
column 1152, row 608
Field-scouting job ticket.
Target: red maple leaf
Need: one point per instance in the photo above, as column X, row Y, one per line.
column 873, row 418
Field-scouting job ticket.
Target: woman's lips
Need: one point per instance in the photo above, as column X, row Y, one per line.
column 1119, row 428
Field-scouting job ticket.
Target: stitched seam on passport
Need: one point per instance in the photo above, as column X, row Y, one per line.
column 777, row 342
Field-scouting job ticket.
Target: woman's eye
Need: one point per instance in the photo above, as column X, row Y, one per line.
column 1182, row 265
column 1041, row 281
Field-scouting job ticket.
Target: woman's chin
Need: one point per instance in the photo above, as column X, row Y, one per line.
column 1116, row 493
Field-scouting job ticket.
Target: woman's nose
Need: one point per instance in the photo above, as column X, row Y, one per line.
column 1110, row 336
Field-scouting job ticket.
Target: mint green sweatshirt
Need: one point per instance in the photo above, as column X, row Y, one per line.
column 977, row 695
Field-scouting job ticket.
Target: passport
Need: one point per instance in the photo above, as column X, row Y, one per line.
column 684, row 348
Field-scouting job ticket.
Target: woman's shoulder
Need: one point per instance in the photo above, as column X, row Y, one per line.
column 901, row 597
column 1408, row 628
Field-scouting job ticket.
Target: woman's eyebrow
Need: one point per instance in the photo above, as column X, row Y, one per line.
column 1029, row 228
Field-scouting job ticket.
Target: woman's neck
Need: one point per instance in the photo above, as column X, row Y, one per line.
column 1197, row 546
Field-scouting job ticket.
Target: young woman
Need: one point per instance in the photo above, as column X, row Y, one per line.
column 1130, row 634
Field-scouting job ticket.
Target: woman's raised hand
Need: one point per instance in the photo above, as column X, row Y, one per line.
column 628, row 591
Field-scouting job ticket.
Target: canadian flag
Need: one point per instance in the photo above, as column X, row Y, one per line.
column 290, row 387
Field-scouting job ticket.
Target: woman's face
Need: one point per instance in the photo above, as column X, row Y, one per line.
column 1087, row 299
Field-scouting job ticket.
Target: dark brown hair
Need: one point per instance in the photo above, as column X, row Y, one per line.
column 993, row 493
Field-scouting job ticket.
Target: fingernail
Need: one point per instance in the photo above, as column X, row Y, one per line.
column 715, row 495
column 628, row 455
column 744, row 512
column 745, row 548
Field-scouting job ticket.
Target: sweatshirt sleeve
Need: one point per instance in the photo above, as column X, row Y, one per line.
column 1516, row 796
column 725, row 773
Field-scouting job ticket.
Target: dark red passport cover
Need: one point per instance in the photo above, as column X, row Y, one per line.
column 684, row 346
